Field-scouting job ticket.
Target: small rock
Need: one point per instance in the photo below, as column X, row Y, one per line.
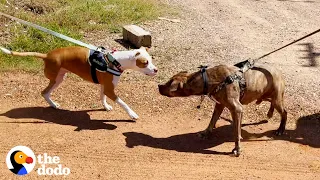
column 171, row 20
column 8, row 95
column 91, row 22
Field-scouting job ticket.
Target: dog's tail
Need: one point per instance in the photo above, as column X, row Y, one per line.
column 34, row 54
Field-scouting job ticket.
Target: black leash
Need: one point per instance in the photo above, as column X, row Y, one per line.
column 244, row 66
column 289, row 44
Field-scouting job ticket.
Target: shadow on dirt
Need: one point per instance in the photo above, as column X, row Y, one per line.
column 79, row 119
column 125, row 44
column 190, row 142
column 311, row 54
column 306, row 133
column 183, row 142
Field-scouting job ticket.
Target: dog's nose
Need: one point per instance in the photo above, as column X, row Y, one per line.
column 155, row 70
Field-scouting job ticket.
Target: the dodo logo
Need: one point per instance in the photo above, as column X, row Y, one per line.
column 21, row 160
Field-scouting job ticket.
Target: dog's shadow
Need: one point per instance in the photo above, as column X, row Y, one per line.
column 306, row 133
column 190, row 142
column 79, row 119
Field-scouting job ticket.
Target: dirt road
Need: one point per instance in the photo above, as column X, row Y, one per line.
column 163, row 143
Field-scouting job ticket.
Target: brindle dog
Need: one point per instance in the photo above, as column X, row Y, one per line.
column 263, row 83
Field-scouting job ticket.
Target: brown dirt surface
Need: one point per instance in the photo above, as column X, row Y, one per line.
column 163, row 143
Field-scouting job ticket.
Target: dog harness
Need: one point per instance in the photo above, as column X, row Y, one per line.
column 230, row 79
column 103, row 62
column 238, row 76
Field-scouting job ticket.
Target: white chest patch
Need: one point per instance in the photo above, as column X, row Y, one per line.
column 115, row 80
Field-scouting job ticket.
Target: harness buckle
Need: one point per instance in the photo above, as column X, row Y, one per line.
column 229, row 79
column 203, row 67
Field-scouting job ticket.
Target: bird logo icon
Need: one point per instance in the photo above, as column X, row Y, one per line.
column 20, row 160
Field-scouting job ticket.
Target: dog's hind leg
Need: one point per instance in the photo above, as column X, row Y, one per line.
column 55, row 81
column 271, row 110
column 279, row 105
column 103, row 98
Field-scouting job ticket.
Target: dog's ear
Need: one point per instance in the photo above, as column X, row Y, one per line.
column 175, row 84
column 137, row 54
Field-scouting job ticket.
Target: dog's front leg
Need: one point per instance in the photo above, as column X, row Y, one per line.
column 215, row 116
column 131, row 113
column 115, row 98
column 236, row 112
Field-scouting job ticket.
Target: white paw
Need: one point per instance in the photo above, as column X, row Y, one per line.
column 55, row 105
column 107, row 107
column 50, row 102
column 133, row 115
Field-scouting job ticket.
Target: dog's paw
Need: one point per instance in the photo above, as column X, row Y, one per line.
column 204, row 134
column 279, row 132
column 54, row 105
column 107, row 107
column 133, row 115
column 270, row 114
column 236, row 151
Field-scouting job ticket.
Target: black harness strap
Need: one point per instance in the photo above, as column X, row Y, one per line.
column 205, row 79
column 94, row 75
column 203, row 71
column 229, row 80
column 93, row 67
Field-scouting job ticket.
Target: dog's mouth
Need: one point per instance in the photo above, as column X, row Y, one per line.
column 163, row 91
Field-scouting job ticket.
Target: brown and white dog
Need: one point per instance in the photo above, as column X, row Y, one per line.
column 263, row 83
column 75, row 59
